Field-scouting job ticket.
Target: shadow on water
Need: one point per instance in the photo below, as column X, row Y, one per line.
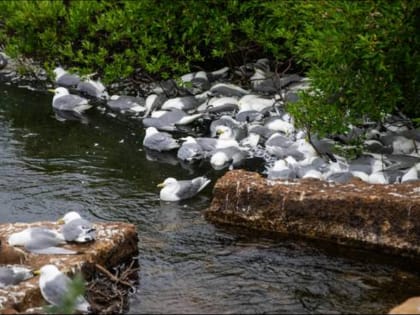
column 188, row 265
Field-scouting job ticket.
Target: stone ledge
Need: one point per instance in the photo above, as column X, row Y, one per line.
column 384, row 217
column 116, row 242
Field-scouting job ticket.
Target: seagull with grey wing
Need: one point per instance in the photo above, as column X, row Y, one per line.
column 12, row 275
column 55, row 285
column 69, row 106
column 175, row 190
column 76, row 229
column 40, row 240
column 190, row 150
column 65, row 79
column 159, row 141
column 93, row 89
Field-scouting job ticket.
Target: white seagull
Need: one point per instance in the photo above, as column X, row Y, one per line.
column 76, row 229
column 175, row 190
column 54, row 287
column 40, row 240
column 64, row 101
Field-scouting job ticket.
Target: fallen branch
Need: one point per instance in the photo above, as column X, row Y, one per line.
column 112, row 277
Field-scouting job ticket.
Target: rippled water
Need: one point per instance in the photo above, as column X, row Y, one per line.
column 187, row 264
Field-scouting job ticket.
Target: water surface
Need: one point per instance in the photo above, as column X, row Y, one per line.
column 188, row 265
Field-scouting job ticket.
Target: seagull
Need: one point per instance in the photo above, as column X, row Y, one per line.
column 255, row 102
column 3, row 61
column 249, row 115
column 198, row 81
column 175, row 190
column 227, row 89
column 219, row 104
column 55, row 285
column 168, row 120
column 190, row 150
column 65, row 79
column 276, row 123
column 93, row 89
column 232, row 156
column 218, row 74
column 64, row 101
column 226, row 137
column 237, row 130
column 152, row 102
column 76, row 229
column 12, row 275
column 126, row 103
column 340, row 177
column 281, row 170
column 277, row 144
column 159, row 141
column 184, row 103
column 323, row 146
column 412, row 174
column 40, row 240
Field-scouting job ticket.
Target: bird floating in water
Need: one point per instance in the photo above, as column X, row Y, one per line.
column 159, row 141
column 175, row 190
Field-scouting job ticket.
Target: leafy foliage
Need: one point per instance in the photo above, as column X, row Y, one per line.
column 358, row 52
column 362, row 56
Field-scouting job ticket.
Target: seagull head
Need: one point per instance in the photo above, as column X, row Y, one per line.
column 59, row 71
column 60, row 91
column 47, row 271
column 151, row 131
column 69, row 216
column 166, row 182
column 188, row 139
column 18, row 238
column 224, row 132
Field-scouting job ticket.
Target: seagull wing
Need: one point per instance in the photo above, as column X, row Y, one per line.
column 79, row 230
column 55, row 290
column 71, row 103
column 161, row 142
column 189, row 188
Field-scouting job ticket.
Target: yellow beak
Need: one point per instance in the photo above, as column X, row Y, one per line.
column 36, row 272
column 160, row 185
column 61, row 221
column 51, row 90
column 219, row 132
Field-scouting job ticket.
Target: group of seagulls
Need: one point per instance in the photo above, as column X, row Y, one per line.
column 53, row 283
column 208, row 118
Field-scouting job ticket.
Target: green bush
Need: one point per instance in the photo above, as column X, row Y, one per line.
column 163, row 38
column 363, row 59
column 361, row 56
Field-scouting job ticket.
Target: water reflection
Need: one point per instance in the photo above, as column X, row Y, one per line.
column 100, row 169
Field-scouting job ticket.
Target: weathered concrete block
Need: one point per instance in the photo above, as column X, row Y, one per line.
column 116, row 242
column 385, row 217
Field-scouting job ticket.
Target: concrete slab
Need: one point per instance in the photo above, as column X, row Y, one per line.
column 116, row 243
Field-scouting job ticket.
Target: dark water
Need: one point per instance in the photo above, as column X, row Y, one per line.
column 188, row 265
